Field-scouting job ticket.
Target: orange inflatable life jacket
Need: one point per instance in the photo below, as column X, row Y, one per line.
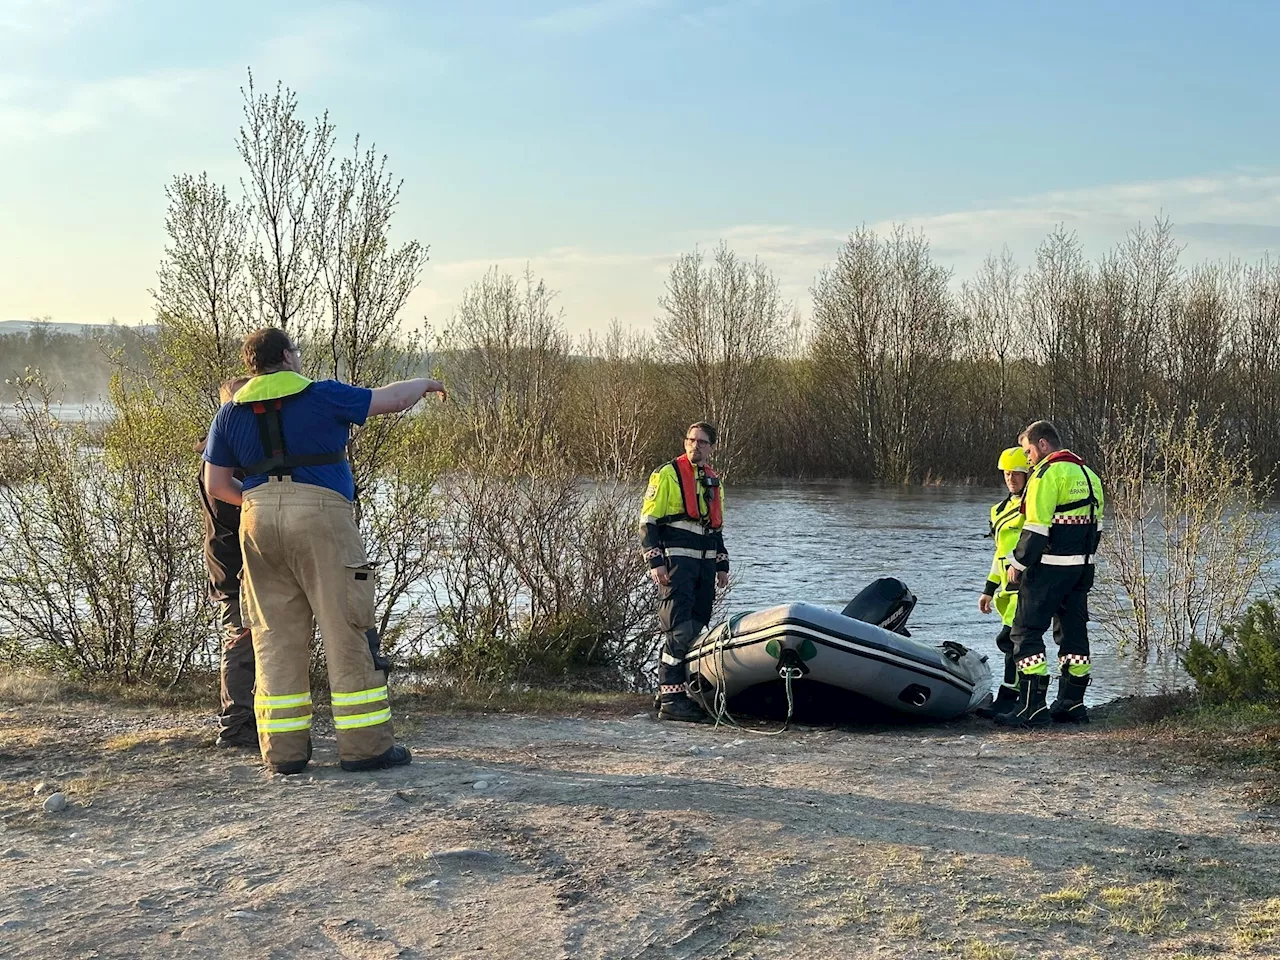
column 714, row 517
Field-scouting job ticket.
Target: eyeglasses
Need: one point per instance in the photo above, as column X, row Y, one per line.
column 697, row 442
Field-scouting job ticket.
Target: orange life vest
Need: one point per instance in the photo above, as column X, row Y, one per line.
column 714, row 517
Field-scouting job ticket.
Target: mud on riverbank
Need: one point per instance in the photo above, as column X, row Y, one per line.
column 611, row 835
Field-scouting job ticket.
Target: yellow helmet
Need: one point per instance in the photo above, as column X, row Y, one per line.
column 1015, row 458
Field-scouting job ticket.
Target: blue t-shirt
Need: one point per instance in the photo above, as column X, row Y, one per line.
column 318, row 420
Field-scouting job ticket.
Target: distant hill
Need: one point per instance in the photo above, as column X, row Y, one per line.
column 10, row 327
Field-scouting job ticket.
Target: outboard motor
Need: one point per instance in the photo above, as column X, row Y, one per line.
column 886, row 602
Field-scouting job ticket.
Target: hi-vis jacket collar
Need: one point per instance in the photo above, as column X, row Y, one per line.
column 1065, row 456
column 272, row 386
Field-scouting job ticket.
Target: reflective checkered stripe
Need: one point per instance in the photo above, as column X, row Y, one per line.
column 361, row 708
column 668, row 688
column 1034, row 664
column 282, row 713
column 1076, row 664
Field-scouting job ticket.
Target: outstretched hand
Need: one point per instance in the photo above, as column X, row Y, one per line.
column 435, row 386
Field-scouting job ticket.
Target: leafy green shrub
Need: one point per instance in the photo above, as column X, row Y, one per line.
column 1245, row 663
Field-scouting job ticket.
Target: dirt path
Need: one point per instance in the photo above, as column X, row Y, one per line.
column 529, row 837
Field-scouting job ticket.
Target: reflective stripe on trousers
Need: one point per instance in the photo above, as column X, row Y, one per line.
column 282, row 713
column 351, row 710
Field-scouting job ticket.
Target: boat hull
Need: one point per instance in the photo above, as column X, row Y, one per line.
column 827, row 649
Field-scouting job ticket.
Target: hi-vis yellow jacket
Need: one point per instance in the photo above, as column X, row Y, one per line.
column 1006, row 529
column 670, row 523
column 1064, row 504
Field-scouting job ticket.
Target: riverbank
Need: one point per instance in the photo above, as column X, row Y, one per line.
column 583, row 828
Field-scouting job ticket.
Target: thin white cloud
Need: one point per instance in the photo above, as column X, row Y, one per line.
column 325, row 43
column 89, row 105
column 1236, row 214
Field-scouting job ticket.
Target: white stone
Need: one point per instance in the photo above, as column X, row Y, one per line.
column 55, row 803
column 481, row 785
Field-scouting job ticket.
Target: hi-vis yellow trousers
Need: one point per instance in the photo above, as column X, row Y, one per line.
column 304, row 560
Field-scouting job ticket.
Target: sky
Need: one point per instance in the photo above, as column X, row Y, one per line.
column 594, row 142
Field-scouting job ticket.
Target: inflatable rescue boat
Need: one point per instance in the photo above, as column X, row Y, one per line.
column 803, row 653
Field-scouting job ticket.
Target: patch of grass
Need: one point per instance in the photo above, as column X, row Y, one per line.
column 980, row 950
column 1066, row 897
column 29, row 685
column 906, row 926
column 1144, row 909
column 26, row 738
column 761, row 931
column 1258, row 924
column 184, row 737
column 437, row 699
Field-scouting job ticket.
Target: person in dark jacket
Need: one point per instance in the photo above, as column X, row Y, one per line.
column 223, row 561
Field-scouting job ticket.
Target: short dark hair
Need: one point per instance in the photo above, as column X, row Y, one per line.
column 1042, row 430
column 708, row 428
column 264, row 349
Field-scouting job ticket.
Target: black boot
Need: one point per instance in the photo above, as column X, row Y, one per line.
column 396, row 756
column 1069, row 706
column 294, row 766
column 1007, row 701
column 680, row 707
column 1031, row 710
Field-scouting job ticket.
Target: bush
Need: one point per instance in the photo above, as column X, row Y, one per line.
column 101, row 575
column 1245, row 664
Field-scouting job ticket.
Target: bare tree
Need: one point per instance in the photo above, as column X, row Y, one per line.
column 1254, row 363
column 994, row 327
column 289, row 164
column 1185, row 541
column 723, row 321
column 615, row 403
column 885, row 332
column 513, row 351
column 202, row 299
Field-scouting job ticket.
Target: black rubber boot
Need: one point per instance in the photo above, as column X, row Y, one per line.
column 1006, row 701
column 296, row 766
column 397, row 756
column 683, row 709
column 1031, row 710
column 1069, row 706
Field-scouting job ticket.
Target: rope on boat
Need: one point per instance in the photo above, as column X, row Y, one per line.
column 720, row 701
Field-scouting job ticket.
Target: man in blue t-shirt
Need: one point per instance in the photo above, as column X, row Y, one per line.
column 303, row 556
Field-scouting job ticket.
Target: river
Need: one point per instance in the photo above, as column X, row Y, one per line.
column 821, row 542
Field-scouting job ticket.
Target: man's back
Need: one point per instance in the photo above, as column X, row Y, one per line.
column 315, row 421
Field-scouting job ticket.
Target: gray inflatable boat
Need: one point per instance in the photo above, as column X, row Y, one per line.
column 851, row 659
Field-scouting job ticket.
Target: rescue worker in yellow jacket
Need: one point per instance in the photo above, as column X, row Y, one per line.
column 1053, row 567
column 304, row 560
column 1005, row 529
column 680, row 536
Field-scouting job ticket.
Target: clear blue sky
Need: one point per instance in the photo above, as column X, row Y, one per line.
column 597, row 140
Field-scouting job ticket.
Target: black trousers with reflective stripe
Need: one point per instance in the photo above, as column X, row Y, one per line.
column 1052, row 596
column 684, row 610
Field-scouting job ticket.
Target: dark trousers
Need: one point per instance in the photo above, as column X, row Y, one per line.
column 1052, row 596
column 684, row 610
column 237, row 671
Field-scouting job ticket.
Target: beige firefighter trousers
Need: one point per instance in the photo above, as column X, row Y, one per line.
column 304, row 560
